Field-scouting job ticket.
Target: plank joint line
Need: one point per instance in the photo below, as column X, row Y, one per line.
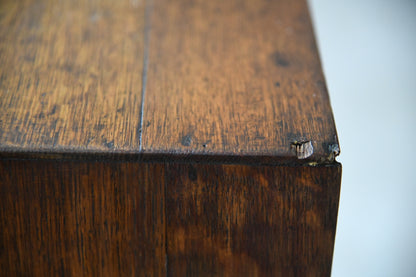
column 145, row 66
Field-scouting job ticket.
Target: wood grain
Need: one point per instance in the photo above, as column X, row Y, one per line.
column 225, row 79
column 70, row 75
column 81, row 219
column 236, row 220
column 150, row 138
column 73, row 218
column 236, row 78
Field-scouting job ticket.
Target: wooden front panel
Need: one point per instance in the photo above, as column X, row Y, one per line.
column 72, row 218
column 237, row 220
column 81, row 219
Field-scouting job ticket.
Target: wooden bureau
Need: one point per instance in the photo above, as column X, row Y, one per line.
column 153, row 138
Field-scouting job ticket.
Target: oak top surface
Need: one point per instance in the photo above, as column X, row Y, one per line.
column 237, row 79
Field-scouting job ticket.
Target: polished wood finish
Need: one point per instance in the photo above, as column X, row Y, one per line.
column 72, row 218
column 153, row 138
column 237, row 220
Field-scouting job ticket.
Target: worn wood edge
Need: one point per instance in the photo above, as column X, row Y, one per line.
column 141, row 155
column 126, row 156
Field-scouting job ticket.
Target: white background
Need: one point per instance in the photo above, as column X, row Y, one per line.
column 368, row 50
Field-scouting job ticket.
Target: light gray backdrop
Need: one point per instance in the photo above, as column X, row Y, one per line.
column 368, row 50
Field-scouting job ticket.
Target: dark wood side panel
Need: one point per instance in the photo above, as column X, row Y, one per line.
column 81, row 219
column 236, row 220
column 70, row 75
column 235, row 77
